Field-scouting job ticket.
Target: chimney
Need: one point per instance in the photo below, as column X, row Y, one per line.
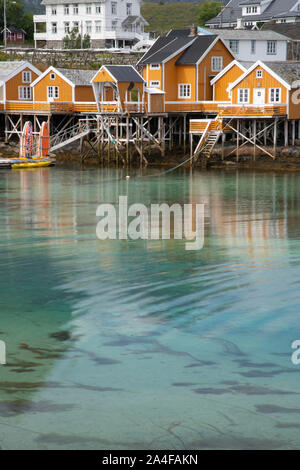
column 239, row 24
column 193, row 31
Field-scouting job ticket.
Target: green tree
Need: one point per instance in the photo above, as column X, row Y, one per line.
column 86, row 43
column 73, row 40
column 208, row 10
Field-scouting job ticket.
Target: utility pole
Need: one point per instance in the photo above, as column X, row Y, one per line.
column 5, row 36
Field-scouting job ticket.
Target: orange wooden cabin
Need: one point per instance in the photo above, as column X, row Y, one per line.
column 265, row 90
column 119, row 88
column 183, row 68
column 64, row 91
column 16, row 78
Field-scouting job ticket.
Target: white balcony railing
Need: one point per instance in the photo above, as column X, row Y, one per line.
column 39, row 18
column 40, row 36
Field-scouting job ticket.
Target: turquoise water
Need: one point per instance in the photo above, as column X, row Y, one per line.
column 141, row 344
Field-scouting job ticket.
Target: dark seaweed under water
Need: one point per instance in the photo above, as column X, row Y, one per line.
column 141, row 344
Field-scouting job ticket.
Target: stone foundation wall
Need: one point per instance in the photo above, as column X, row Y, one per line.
column 73, row 58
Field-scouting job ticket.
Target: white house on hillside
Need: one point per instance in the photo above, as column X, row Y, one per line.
column 249, row 45
column 250, row 13
column 116, row 23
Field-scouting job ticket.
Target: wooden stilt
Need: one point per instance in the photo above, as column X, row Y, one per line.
column 223, row 143
column 254, row 139
column 286, row 133
column 275, row 137
column 238, row 141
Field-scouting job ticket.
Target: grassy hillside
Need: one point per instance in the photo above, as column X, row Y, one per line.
column 171, row 15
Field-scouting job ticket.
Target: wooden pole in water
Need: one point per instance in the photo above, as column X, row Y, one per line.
column 293, row 132
column 127, row 140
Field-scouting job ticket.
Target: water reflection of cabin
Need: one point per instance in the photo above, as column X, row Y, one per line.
column 119, row 88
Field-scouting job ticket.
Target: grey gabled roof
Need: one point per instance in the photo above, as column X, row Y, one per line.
column 9, row 67
column 67, row 2
column 77, row 76
column 289, row 71
column 233, row 11
column 166, row 48
column 250, row 2
column 250, row 34
column 229, row 14
column 124, row 73
column 196, row 50
column 131, row 19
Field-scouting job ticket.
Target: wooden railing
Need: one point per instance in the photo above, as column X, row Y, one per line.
column 199, row 126
column 280, row 110
column 134, row 106
column 178, row 106
column 85, row 107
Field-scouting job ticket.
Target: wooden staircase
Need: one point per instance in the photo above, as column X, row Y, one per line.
column 209, row 131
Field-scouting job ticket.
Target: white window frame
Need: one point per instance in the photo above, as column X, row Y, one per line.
column 114, row 25
column 271, row 47
column 75, row 9
column 26, row 76
column 88, row 9
column 242, row 101
column 89, row 27
column 24, row 93
column 98, row 9
column 53, row 92
column 67, row 27
column 98, row 26
column 54, row 28
column 155, row 83
column 114, row 8
column 236, row 43
column 52, row 76
column 66, row 10
column 270, row 94
column 184, row 91
column 53, row 11
column 154, row 66
column 259, row 73
column 128, row 9
column 213, row 60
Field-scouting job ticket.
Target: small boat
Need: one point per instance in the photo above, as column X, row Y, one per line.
column 26, row 157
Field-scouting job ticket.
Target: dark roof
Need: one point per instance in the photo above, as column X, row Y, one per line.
column 159, row 43
column 12, row 29
column 193, row 53
column 168, row 47
column 292, row 30
column 124, row 73
column 177, row 33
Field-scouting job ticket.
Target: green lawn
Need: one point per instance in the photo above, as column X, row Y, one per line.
column 171, row 15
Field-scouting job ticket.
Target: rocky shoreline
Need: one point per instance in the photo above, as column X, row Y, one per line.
column 288, row 158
